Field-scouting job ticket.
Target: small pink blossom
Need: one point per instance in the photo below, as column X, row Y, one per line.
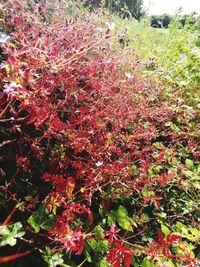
column 4, row 38
column 9, row 88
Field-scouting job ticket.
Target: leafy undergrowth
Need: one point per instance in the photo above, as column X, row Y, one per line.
column 98, row 166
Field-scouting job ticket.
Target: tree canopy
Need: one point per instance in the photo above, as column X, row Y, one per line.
column 124, row 7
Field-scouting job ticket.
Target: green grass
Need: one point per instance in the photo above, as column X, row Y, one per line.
column 172, row 53
column 170, row 56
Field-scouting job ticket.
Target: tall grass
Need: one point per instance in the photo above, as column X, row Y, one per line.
column 172, row 53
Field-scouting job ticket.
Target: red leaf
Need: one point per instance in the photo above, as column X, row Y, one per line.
column 173, row 238
column 160, row 237
column 113, row 257
column 127, row 257
column 11, row 60
column 119, row 254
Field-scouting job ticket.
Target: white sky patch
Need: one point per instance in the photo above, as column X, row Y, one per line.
column 159, row 7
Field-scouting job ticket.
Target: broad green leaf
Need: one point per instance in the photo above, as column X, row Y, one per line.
column 194, row 234
column 112, row 217
column 165, row 230
column 92, row 243
column 121, row 216
column 121, row 212
column 41, row 219
column 103, row 263
column 102, row 246
column 188, row 232
column 99, row 232
column 125, row 224
column 134, row 263
column 52, row 260
column 182, row 228
column 9, row 233
column 189, row 164
column 98, row 246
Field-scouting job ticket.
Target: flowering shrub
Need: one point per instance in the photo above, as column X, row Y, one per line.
column 100, row 167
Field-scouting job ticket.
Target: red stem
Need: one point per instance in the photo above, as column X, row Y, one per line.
column 9, row 215
column 14, row 256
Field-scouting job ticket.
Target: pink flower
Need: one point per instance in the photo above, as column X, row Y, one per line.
column 9, row 88
column 4, row 38
column 112, row 234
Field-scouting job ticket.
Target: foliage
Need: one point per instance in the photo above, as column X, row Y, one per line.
column 160, row 21
column 41, row 219
column 52, row 260
column 100, row 162
column 125, row 8
column 163, row 21
column 9, row 233
column 170, row 55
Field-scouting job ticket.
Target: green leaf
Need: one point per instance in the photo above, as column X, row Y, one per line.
column 195, row 178
column 165, row 230
column 99, row 232
column 188, row 174
column 52, row 260
column 189, row 164
column 87, row 256
column 121, row 212
column 102, row 246
column 168, row 263
column 196, row 185
column 188, row 232
column 92, row 243
column 9, row 233
column 195, row 233
column 125, row 224
column 111, row 217
column 147, row 263
column 104, row 263
column 147, row 193
column 173, row 126
column 121, row 216
column 161, row 215
column 182, row 228
column 134, row 263
column 41, row 219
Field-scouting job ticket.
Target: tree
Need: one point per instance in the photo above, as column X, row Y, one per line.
column 160, row 21
column 135, row 7
column 126, row 8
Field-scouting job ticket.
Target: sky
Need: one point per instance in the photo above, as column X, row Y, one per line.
column 157, row 7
